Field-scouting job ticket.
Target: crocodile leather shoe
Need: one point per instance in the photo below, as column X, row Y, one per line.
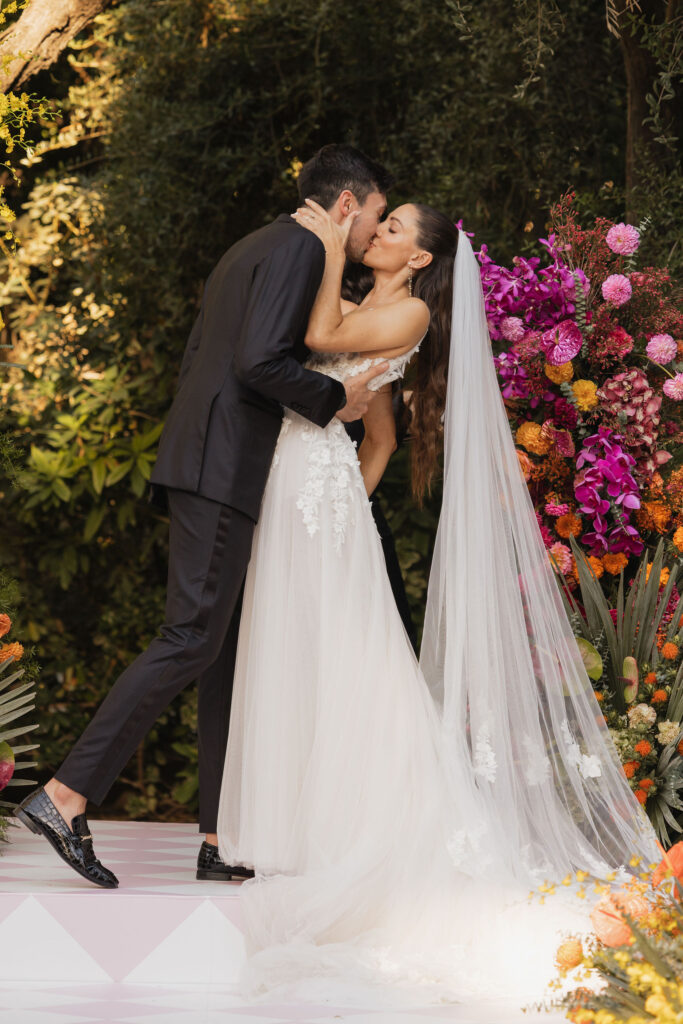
column 74, row 845
column 210, row 866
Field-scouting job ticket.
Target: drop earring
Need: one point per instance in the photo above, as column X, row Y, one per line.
column 410, row 280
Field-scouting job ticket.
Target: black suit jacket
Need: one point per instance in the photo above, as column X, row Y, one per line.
column 242, row 364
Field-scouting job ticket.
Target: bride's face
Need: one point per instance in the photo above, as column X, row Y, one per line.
column 395, row 241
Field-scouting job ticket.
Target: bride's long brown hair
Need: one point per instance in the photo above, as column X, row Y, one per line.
column 434, row 285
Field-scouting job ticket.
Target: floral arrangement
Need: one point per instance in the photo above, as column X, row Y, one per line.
column 633, row 651
column 16, row 700
column 591, row 370
column 636, row 954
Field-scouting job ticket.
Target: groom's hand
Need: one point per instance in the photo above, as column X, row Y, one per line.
column 359, row 395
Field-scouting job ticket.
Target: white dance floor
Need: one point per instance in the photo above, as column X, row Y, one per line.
column 163, row 948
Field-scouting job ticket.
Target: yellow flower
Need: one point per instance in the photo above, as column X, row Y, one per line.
column 529, row 436
column 559, row 374
column 585, row 394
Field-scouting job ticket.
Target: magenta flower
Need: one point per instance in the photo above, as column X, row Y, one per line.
column 623, row 239
column 564, row 414
column 607, row 491
column 673, row 387
column 661, row 348
column 513, row 375
column 556, row 509
column 562, row 556
column 562, row 342
column 616, row 289
column 512, row 328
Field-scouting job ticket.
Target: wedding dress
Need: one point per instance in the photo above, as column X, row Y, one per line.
column 397, row 815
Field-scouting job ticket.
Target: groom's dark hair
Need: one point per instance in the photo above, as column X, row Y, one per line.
column 335, row 168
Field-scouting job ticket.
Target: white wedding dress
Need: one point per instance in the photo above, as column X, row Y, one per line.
column 380, row 859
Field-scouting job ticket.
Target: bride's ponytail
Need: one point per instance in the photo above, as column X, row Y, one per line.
column 434, row 285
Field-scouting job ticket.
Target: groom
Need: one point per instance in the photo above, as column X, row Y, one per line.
column 242, row 365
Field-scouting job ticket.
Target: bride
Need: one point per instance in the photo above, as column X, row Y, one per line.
column 397, row 813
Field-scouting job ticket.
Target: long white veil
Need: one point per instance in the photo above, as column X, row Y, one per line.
column 524, row 736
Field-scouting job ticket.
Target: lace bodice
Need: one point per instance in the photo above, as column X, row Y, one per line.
column 342, row 366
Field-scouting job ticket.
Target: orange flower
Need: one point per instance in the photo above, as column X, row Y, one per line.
column 596, row 565
column 599, row 696
column 679, row 748
column 615, row 563
column 569, row 955
column 650, row 679
column 569, row 525
column 672, row 864
column 559, row 374
column 641, row 796
column 646, row 783
column 7, row 651
column 653, row 515
column 670, row 651
column 5, row 624
column 643, row 748
column 630, row 768
column 678, row 538
column 525, row 464
column 529, row 436
column 659, row 697
column 663, row 576
column 610, row 927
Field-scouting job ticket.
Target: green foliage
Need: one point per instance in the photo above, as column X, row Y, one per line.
column 182, row 124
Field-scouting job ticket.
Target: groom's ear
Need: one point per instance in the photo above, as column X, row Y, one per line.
column 344, row 204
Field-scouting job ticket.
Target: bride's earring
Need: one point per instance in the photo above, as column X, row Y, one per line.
column 410, row 279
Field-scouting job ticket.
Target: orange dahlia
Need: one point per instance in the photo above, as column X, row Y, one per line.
column 670, row 651
column 678, row 538
column 5, row 624
column 646, row 783
column 650, row 679
column 7, row 651
column 659, row 697
column 643, row 748
column 568, row 525
column 559, row 374
column 654, row 515
column 529, row 436
column 599, row 696
column 641, row 796
column 630, row 768
column 525, row 464
column 615, row 563
column 596, row 565
column 663, row 576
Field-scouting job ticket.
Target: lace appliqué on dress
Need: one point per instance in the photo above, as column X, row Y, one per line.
column 588, row 764
column 332, row 469
column 485, row 765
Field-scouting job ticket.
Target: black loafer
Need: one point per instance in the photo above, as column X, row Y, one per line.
column 74, row 845
column 210, row 866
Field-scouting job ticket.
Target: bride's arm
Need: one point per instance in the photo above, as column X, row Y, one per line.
column 391, row 330
column 379, row 442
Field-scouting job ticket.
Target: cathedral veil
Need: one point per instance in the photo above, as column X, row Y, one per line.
column 524, row 737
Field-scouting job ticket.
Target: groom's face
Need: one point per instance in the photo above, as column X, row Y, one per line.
column 365, row 225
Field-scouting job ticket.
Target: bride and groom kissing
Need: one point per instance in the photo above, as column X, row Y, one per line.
column 380, row 808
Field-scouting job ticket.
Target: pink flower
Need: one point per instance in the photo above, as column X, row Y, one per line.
column 616, row 289
column 661, row 348
column 562, row 556
column 512, row 328
column 623, row 239
column 673, row 387
column 561, row 342
column 552, row 508
column 620, row 341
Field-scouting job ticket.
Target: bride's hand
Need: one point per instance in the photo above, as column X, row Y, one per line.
column 333, row 236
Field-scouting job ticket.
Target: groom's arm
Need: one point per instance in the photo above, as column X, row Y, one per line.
column 282, row 293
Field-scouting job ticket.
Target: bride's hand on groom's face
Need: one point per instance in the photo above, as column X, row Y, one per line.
column 334, row 236
column 359, row 395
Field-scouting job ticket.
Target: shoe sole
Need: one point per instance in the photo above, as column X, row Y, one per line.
column 34, row 827
column 204, row 875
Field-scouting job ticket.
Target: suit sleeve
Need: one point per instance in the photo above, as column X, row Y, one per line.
column 282, row 294
column 192, row 346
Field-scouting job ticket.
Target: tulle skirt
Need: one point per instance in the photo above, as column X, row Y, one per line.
column 372, row 871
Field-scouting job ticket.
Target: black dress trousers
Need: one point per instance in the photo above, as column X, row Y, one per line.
column 209, row 550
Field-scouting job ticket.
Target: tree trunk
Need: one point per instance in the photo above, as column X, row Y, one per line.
column 641, row 70
column 44, row 29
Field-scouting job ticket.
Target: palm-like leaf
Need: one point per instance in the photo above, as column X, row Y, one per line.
column 17, row 699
